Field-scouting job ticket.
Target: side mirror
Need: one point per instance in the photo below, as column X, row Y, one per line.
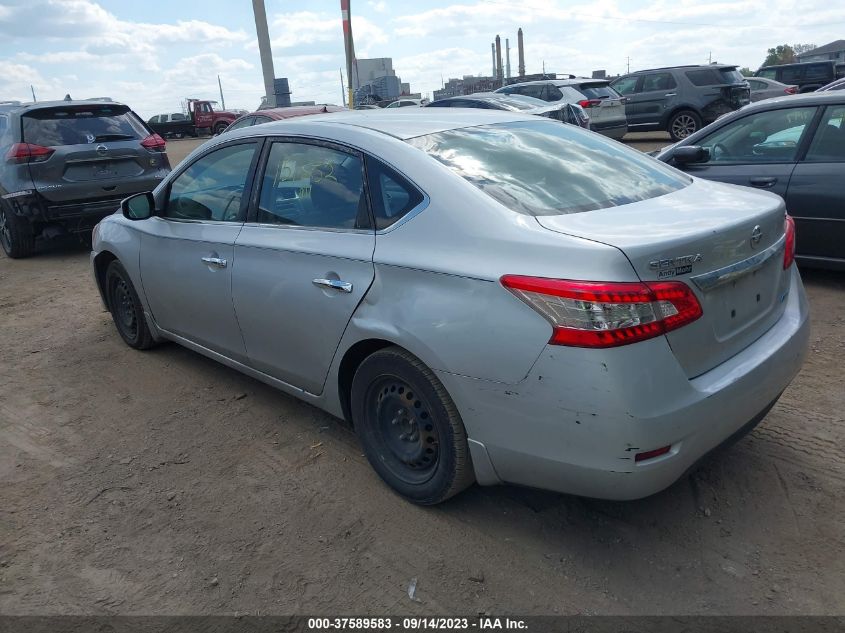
column 138, row 207
column 691, row 154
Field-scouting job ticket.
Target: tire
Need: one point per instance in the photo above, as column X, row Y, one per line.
column 126, row 309
column 409, row 427
column 220, row 128
column 683, row 123
column 16, row 234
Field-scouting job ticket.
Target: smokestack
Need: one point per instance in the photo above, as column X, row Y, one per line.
column 507, row 58
column 498, row 58
column 521, row 48
column 493, row 52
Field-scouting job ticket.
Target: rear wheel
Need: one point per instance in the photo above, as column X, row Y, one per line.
column 126, row 309
column 409, row 427
column 683, row 123
column 220, row 128
column 16, row 234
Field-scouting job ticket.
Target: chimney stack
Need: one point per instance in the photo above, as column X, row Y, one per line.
column 521, row 53
column 507, row 58
column 493, row 53
column 498, row 58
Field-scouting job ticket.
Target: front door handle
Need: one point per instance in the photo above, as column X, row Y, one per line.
column 763, row 182
column 671, row 94
column 216, row 262
column 333, row 284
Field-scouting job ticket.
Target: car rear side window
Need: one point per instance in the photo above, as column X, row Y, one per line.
column 828, row 144
column 600, row 91
column 704, row 77
column 658, row 81
column 545, row 168
column 78, row 125
column 392, row 195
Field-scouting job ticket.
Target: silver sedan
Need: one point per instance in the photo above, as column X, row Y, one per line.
column 484, row 296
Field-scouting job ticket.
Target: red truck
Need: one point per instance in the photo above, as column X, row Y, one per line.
column 202, row 118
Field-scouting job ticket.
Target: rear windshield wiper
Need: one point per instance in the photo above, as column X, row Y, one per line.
column 113, row 137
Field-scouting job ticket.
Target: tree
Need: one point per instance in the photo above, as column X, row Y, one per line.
column 746, row 71
column 783, row 54
column 800, row 49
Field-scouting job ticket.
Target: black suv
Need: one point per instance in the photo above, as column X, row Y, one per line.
column 808, row 76
column 64, row 165
column 681, row 99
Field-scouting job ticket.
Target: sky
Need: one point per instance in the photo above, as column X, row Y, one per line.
column 152, row 54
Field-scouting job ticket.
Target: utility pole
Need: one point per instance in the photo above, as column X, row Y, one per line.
column 629, row 65
column 263, row 34
column 507, row 58
column 342, row 88
column 34, row 100
column 349, row 47
column 222, row 100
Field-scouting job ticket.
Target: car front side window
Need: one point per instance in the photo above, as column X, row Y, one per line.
column 626, row 85
column 313, row 186
column 212, row 188
column 828, row 144
column 765, row 137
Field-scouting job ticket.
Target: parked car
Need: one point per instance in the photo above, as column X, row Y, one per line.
column 566, row 112
column 603, row 105
column 681, row 99
column 67, row 164
column 762, row 88
column 484, row 295
column 404, row 103
column 278, row 114
column 202, row 118
column 175, row 125
column 791, row 146
column 839, row 84
column 808, row 76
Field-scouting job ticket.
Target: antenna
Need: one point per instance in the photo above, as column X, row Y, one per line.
column 629, row 65
column 34, row 100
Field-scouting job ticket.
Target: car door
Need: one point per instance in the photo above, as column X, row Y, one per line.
column 304, row 259
column 187, row 249
column 627, row 87
column 758, row 150
column 816, row 194
column 656, row 94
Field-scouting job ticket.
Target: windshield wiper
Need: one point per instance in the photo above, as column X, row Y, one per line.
column 113, row 137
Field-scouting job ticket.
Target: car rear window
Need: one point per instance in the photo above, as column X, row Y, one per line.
column 77, row 125
column 545, row 168
column 598, row 91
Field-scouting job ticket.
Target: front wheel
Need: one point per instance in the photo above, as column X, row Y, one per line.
column 409, row 427
column 220, row 128
column 683, row 123
column 126, row 309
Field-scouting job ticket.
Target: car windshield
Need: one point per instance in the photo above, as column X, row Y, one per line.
column 77, row 125
column 545, row 168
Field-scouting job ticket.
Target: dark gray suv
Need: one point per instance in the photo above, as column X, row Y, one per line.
column 64, row 165
column 681, row 99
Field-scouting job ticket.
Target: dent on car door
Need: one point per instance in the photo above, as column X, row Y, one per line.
column 187, row 249
column 304, row 260
column 758, row 150
column 816, row 195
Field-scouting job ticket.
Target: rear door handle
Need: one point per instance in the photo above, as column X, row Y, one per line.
column 333, row 284
column 671, row 94
column 216, row 262
column 764, row 181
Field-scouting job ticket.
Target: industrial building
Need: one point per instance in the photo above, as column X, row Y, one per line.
column 375, row 81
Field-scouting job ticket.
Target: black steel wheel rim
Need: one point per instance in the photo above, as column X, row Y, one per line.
column 124, row 308
column 5, row 231
column 403, row 429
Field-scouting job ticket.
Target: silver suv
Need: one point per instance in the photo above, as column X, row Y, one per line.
column 604, row 106
column 64, row 165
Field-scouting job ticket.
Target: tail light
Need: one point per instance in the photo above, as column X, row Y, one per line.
column 154, row 143
column 588, row 103
column 789, row 251
column 791, row 90
column 28, row 153
column 602, row 314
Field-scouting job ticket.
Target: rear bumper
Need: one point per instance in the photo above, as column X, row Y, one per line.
column 578, row 419
column 613, row 129
column 73, row 215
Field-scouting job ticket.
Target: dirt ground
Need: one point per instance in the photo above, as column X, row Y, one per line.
column 163, row 483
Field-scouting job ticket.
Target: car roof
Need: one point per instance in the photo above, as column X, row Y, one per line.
column 560, row 82
column 29, row 107
column 806, row 99
column 278, row 114
column 683, row 67
column 396, row 122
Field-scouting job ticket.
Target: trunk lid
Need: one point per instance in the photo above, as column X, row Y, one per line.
column 97, row 152
column 702, row 235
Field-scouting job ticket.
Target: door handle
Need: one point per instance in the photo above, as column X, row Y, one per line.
column 671, row 94
column 215, row 262
column 764, row 181
column 333, row 284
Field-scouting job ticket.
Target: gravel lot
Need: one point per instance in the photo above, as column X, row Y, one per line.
column 162, row 482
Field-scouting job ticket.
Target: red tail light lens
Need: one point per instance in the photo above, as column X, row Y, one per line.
column 602, row 314
column 154, row 143
column 28, row 153
column 657, row 452
column 789, row 251
column 791, row 90
column 587, row 103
